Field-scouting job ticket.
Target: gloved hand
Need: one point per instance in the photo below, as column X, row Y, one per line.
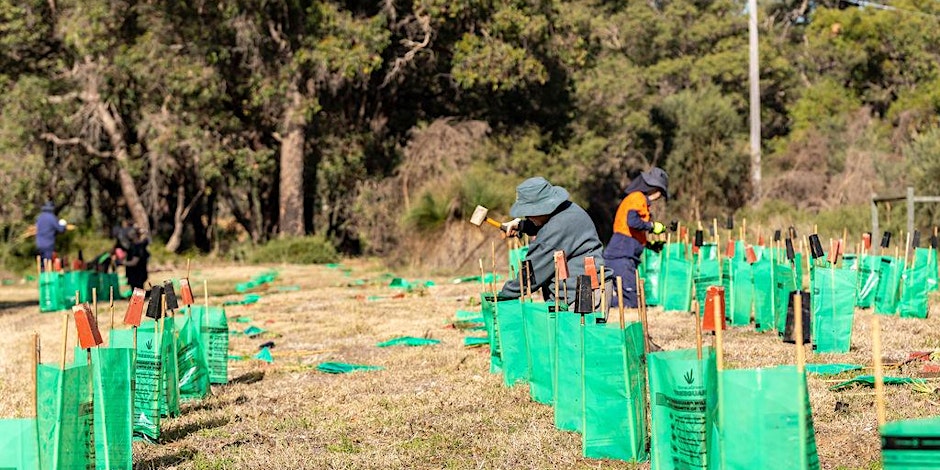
column 62, row 222
column 658, row 228
column 511, row 228
column 655, row 247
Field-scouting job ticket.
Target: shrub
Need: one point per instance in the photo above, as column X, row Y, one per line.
column 301, row 250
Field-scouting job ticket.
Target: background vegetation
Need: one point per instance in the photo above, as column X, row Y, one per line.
column 369, row 124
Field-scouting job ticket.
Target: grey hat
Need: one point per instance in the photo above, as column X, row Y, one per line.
column 536, row 196
column 657, row 178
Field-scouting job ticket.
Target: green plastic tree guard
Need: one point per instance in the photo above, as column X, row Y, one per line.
column 889, row 282
column 915, row 286
column 567, row 407
column 512, row 342
column 833, row 302
column 539, row 328
column 19, row 444
column 114, row 401
column 65, row 414
column 912, row 444
column 191, row 358
column 488, row 310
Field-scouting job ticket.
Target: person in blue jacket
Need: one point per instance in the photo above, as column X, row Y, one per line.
column 47, row 227
column 544, row 212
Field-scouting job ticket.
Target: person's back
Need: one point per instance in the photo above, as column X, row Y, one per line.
column 136, row 264
column 47, row 226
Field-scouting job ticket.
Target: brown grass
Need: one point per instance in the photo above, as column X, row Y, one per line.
column 432, row 407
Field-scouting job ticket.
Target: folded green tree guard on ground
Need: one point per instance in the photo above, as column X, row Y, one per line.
column 539, row 329
column 833, row 309
column 473, row 341
column 213, row 332
column 869, row 380
column 831, row 369
column 651, row 272
column 706, row 274
column 889, row 281
column 344, row 368
column 408, row 341
column 19, row 444
column 912, row 444
column 148, row 379
column 614, row 393
column 191, row 358
column 488, row 310
column 765, row 420
column 914, row 286
column 512, row 342
column 677, row 280
column 567, row 407
column 114, row 397
column 738, row 280
column 65, row 414
column 683, row 407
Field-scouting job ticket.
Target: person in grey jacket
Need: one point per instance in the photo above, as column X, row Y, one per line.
column 544, row 212
column 47, row 227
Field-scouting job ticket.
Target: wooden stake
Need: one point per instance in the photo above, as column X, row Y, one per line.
column 715, row 230
column 94, row 301
column 556, row 288
column 111, row 307
column 698, row 329
column 879, row 372
column 620, row 301
column 798, row 331
column 641, row 303
column 38, row 267
column 603, row 292
column 187, row 268
column 907, row 247
column 719, row 347
column 35, row 366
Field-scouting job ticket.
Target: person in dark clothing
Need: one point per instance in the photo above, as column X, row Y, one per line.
column 47, row 227
column 135, row 265
column 631, row 224
column 557, row 224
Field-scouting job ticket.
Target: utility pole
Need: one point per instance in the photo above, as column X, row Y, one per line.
column 754, row 80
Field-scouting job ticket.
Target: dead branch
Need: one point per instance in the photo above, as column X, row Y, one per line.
column 74, row 142
column 424, row 22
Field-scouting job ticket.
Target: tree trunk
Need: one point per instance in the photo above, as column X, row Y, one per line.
column 173, row 243
column 291, row 188
column 111, row 124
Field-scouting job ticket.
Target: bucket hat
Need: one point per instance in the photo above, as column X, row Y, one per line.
column 536, row 196
column 657, row 178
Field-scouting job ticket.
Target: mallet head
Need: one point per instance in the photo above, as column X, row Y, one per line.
column 479, row 216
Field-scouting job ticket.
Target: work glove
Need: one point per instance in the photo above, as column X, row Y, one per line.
column 655, row 247
column 63, row 223
column 658, row 228
column 512, row 228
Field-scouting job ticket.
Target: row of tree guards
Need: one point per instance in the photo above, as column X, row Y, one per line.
column 597, row 372
column 85, row 414
column 60, row 288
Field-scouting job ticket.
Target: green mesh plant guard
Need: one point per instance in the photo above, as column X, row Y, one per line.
column 51, row 298
column 567, row 407
column 738, row 280
column 104, row 282
column 650, row 271
column 889, row 282
column 344, row 368
column 912, row 444
column 765, row 419
column 933, row 283
column 683, row 407
column 706, row 273
column 113, row 411
column 831, row 369
column 170, row 405
column 475, row 342
column 539, row 328
column 785, row 282
column 516, row 256
column 915, row 287
column 613, row 393
column 191, row 359
column 677, row 279
column 408, row 341
column 765, row 293
column 213, row 333
column 65, row 412
column 488, row 310
column 19, row 444
column 79, row 281
column 868, row 268
column 148, row 371
column 512, row 342
column 833, row 303
column 869, row 381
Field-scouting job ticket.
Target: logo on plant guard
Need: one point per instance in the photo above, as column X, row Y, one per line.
column 689, row 378
column 149, row 344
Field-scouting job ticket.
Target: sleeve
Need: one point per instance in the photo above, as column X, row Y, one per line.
column 636, row 223
column 59, row 228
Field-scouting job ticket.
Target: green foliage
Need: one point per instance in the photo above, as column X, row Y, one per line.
column 301, row 250
column 430, row 212
column 489, row 62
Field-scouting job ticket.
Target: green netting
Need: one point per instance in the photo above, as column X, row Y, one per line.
column 19, row 444
column 614, row 393
column 213, row 332
column 765, row 419
column 831, row 369
column 738, row 280
column 512, row 342
column 677, row 281
column 51, row 298
column 932, row 274
column 463, row 315
column 76, row 281
column 869, row 380
column 516, row 256
column 706, row 273
column 833, row 302
column 912, row 444
column 567, row 374
column 868, row 268
column 488, row 309
column 784, row 283
column 408, row 341
column 344, row 368
column 114, row 399
column 170, row 406
column 473, row 341
column 889, row 281
column 539, row 328
column 651, row 270
column 148, row 378
column 65, row 417
column 104, row 283
column 191, row 358
column 765, row 293
column 914, row 286
column 683, row 407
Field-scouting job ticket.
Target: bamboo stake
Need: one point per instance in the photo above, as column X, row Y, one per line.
column 698, row 329
column 187, row 268
column 715, row 230
column 641, row 303
column 38, row 267
column 620, row 301
column 94, row 301
column 719, row 347
column 556, row 288
column 35, row 383
column 879, row 372
column 111, row 307
column 603, row 292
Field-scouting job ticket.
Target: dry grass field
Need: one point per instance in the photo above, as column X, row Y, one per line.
column 431, row 407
